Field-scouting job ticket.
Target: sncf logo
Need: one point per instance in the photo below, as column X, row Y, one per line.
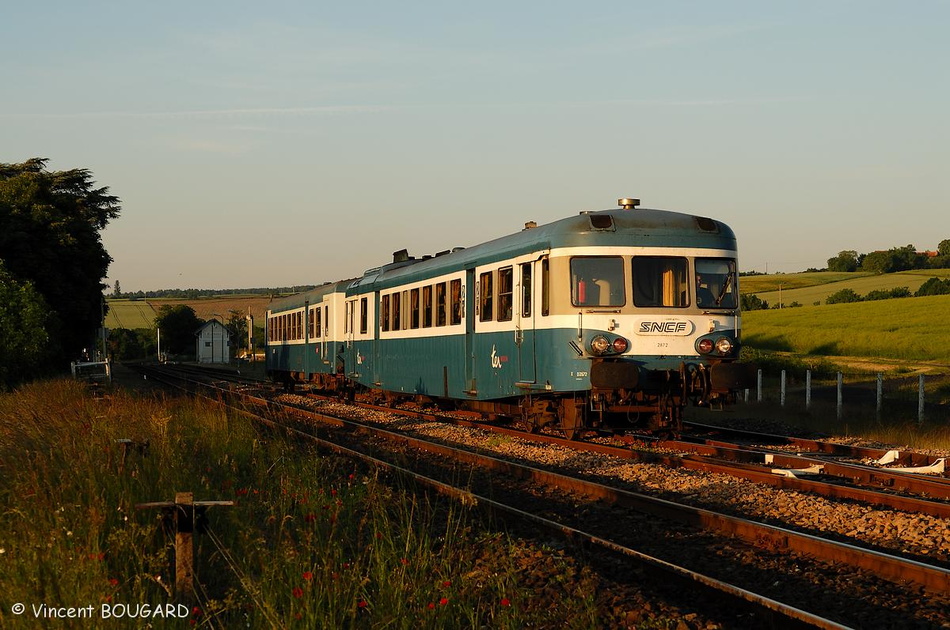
column 666, row 327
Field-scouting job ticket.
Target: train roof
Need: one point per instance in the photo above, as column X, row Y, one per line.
column 615, row 227
column 312, row 296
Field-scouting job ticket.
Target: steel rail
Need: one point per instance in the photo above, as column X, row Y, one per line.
column 884, row 565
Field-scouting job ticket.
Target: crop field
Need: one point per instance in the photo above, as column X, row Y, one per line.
column 808, row 288
column 133, row 314
column 910, row 329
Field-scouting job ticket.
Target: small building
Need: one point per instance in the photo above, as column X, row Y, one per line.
column 213, row 343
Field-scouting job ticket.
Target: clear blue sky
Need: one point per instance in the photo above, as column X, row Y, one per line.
column 280, row 143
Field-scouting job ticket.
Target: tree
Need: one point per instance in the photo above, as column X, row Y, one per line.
column 24, row 332
column 846, row 260
column 934, row 286
column 118, row 290
column 178, row 325
column 237, row 327
column 944, row 247
column 50, row 225
column 842, row 297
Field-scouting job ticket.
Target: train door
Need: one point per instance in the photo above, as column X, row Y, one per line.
column 468, row 310
column 349, row 325
column 524, row 330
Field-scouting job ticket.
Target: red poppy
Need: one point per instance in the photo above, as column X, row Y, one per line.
column 307, row 575
column 297, row 592
column 362, row 603
column 443, row 601
column 113, row 581
column 505, row 601
column 431, row 606
column 446, row 584
column 404, row 561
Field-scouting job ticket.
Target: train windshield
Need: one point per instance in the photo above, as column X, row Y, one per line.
column 597, row 281
column 716, row 283
column 660, row 281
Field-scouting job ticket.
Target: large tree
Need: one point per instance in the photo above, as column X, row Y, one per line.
column 24, row 331
column 50, row 224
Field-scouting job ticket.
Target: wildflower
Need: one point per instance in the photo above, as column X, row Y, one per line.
column 404, row 561
column 431, row 606
column 195, row 611
column 113, row 581
column 505, row 602
column 443, row 601
column 308, row 575
column 297, row 592
column 446, row 584
column 362, row 603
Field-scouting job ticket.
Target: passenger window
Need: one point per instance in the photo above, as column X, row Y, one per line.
column 545, row 287
column 427, row 306
column 456, row 296
column 316, row 313
column 485, row 297
column 364, row 316
column 660, row 281
column 384, row 314
column 506, row 277
column 397, row 311
column 414, row 308
column 440, row 304
column 597, row 281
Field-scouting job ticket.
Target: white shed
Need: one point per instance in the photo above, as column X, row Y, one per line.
column 213, row 343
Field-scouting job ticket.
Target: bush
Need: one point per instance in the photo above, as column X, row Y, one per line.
column 844, row 296
column 934, row 286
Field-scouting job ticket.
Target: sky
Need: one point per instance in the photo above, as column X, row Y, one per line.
column 281, row 143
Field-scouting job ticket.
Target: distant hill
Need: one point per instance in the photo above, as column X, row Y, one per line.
column 140, row 313
column 808, row 288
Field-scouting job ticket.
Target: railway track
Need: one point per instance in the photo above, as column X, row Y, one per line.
column 884, row 574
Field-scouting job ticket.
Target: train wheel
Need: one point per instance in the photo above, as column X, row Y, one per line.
column 571, row 414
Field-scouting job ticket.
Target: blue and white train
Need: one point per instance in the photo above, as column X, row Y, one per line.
column 603, row 319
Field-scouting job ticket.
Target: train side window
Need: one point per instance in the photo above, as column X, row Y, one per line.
column 309, row 323
column 526, row 290
column 597, row 281
column 660, row 281
column 326, row 320
column 485, row 297
column 440, row 304
column 397, row 311
column 427, row 306
column 384, row 314
column 545, row 286
column 456, row 304
column 317, row 323
column 298, row 325
column 405, row 310
column 364, row 316
column 348, row 317
column 414, row 308
column 506, row 276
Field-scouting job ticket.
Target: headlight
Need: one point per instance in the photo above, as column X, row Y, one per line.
column 723, row 345
column 704, row 346
column 599, row 344
column 620, row 345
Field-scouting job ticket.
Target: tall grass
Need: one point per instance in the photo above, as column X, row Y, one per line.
column 313, row 541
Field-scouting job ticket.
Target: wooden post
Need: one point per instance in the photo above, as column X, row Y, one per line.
column 184, row 511
column 807, row 390
column 184, row 545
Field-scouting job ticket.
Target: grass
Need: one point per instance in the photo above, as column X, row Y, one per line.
column 313, row 540
column 908, row 329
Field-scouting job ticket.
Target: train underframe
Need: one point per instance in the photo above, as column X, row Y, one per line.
column 621, row 396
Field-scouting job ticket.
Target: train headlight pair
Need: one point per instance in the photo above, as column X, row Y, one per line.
column 722, row 346
column 601, row 345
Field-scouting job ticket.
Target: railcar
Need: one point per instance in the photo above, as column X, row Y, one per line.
column 607, row 318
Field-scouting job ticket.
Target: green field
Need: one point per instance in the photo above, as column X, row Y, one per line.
column 808, row 288
column 133, row 314
column 909, row 329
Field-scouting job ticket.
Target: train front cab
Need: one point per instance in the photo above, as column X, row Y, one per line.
column 657, row 329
